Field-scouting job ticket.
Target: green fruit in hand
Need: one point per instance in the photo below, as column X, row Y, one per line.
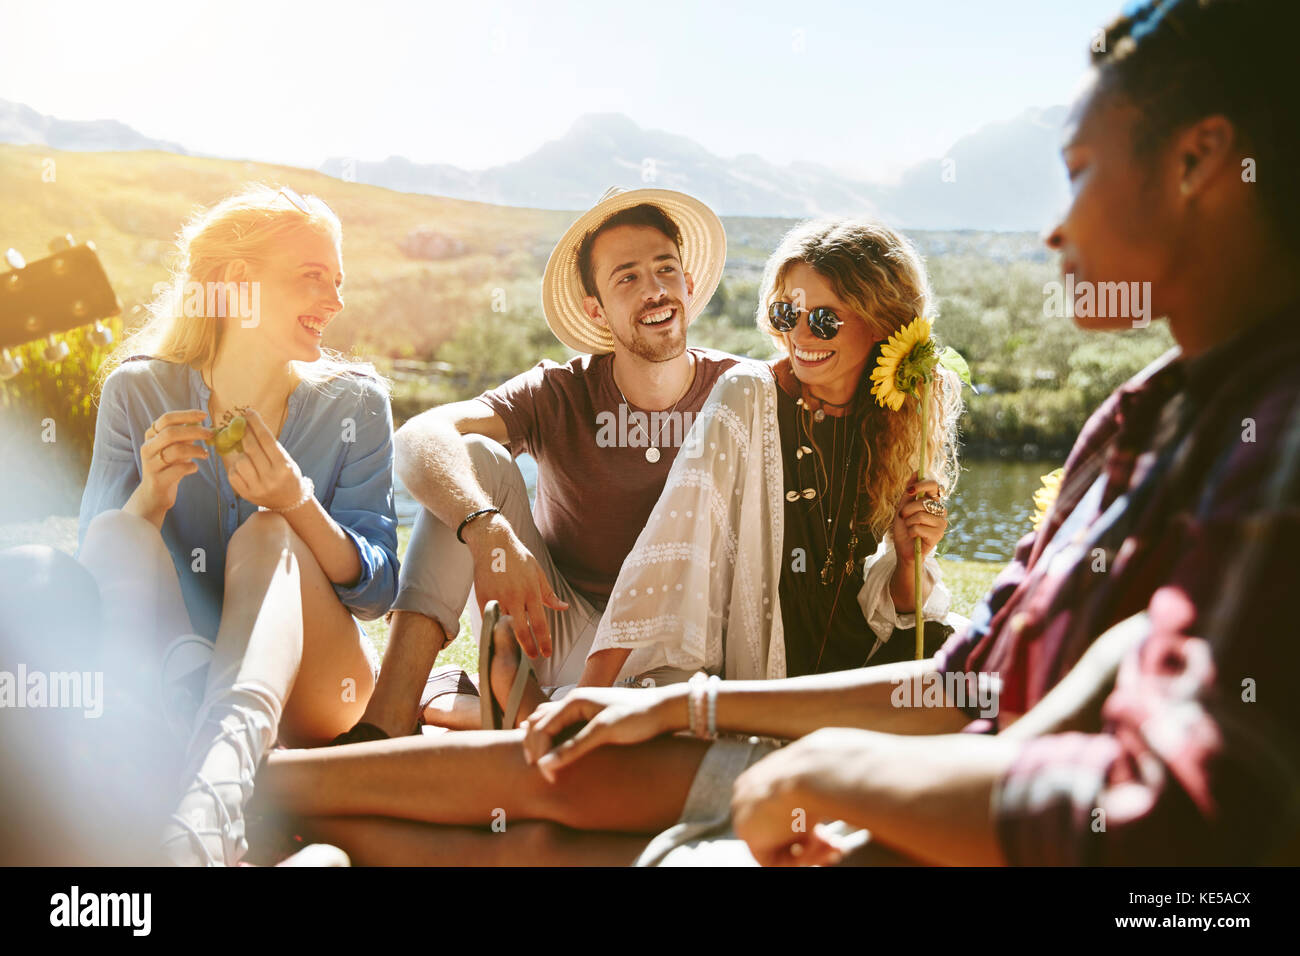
column 230, row 440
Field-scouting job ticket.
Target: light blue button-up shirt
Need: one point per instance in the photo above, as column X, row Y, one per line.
column 339, row 433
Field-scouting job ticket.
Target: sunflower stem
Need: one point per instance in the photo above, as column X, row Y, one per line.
column 917, row 558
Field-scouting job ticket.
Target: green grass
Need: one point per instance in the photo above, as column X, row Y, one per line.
column 462, row 652
column 967, row 580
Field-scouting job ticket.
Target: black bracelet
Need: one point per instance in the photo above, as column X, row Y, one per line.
column 470, row 517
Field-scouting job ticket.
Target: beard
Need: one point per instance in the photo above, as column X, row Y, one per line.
column 651, row 345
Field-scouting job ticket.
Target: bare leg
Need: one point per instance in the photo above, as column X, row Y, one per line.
column 283, row 626
column 335, row 679
column 473, row 777
column 261, row 632
column 273, row 587
column 376, row 841
column 454, row 712
column 257, row 654
column 414, row 642
column 142, row 606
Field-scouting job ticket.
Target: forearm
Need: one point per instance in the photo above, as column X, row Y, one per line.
column 434, row 465
column 796, row 706
column 333, row 550
column 140, row 505
column 930, row 799
column 603, row 667
column 902, row 588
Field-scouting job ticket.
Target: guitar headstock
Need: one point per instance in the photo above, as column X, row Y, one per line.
column 60, row 292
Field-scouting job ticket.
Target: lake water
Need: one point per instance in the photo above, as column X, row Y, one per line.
column 992, row 508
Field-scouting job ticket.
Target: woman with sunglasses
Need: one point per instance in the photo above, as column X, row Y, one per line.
column 1127, row 698
column 240, row 574
column 739, row 572
column 782, row 543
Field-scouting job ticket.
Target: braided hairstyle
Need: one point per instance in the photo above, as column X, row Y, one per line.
column 1180, row 60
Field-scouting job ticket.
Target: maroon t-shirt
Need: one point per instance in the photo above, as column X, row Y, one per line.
column 595, row 487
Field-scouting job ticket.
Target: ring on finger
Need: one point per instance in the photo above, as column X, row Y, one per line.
column 934, row 507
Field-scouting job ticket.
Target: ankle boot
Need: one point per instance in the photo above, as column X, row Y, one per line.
column 235, row 729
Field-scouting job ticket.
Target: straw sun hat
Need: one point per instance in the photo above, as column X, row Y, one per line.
column 704, row 251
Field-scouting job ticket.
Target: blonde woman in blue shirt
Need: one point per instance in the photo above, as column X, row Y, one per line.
column 255, row 563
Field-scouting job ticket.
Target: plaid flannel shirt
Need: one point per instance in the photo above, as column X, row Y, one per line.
column 1179, row 501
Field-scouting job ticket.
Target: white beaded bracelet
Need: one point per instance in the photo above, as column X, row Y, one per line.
column 695, row 703
column 308, row 491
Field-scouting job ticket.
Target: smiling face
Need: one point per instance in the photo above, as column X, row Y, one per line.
column 831, row 367
column 644, row 292
column 301, row 291
column 1123, row 209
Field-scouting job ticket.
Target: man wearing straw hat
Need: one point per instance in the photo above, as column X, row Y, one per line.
column 621, row 287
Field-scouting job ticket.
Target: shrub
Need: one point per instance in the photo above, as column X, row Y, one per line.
column 64, row 394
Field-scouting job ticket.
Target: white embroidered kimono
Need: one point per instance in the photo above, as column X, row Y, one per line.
column 699, row 589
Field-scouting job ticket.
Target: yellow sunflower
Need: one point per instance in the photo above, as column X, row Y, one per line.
column 906, row 367
column 906, row 360
column 1045, row 496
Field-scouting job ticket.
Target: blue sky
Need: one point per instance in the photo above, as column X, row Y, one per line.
column 864, row 87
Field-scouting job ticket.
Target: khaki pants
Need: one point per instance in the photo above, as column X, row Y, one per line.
column 438, row 572
column 437, row 576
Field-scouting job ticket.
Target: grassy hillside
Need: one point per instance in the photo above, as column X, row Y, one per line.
column 132, row 203
column 446, row 328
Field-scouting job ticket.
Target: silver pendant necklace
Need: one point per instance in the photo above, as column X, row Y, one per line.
column 652, row 453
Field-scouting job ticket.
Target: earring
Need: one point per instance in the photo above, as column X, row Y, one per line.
column 1185, row 188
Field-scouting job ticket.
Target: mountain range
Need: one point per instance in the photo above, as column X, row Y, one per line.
column 24, row 126
column 1004, row 176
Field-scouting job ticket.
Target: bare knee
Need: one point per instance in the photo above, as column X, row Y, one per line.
column 260, row 533
column 486, row 453
column 123, row 530
column 561, row 803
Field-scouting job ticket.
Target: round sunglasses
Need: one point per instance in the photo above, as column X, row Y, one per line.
column 823, row 323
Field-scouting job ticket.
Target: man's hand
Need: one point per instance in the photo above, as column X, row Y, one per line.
column 506, row 572
column 614, row 715
column 775, row 803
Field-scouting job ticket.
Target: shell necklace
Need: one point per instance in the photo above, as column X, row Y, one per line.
column 825, row 487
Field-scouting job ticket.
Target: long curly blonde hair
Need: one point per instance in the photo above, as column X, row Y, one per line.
column 246, row 226
column 879, row 274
